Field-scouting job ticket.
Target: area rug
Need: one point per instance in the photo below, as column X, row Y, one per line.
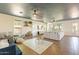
column 39, row 46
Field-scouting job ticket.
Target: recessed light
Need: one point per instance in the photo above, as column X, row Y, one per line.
column 21, row 12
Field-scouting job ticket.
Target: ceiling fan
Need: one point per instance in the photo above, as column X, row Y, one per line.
column 37, row 14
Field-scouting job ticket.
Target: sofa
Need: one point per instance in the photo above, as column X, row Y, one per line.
column 54, row 35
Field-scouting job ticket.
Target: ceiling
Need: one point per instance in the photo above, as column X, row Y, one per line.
column 58, row 11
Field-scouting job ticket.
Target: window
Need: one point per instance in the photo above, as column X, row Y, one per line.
column 75, row 27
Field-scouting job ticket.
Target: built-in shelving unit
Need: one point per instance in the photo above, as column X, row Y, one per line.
column 17, row 27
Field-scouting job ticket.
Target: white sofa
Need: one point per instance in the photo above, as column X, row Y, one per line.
column 54, row 35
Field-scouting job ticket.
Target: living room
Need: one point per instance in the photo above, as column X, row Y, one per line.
column 39, row 29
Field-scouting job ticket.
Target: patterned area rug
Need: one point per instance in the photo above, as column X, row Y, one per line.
column 39, row 46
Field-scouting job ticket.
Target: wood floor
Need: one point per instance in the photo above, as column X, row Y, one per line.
column 67, row 46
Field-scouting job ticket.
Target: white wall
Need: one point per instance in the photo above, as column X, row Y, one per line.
column 6, row 23
column 67, row 27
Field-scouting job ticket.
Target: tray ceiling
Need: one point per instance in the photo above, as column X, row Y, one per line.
column 50, row 10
